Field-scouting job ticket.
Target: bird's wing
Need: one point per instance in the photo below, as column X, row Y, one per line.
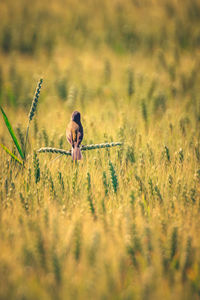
column 72, row 132
column 80, row 135
column 69, row 136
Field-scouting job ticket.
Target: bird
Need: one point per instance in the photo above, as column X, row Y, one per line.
column 74, row 134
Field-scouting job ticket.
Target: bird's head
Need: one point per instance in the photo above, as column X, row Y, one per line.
column 76, row 116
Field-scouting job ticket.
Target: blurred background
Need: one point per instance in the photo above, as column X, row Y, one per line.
column 94, row 48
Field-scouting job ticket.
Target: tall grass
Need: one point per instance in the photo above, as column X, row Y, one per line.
column 123, row 223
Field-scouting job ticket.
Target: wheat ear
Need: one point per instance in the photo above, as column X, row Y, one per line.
column 83, row 148
column 32, row 110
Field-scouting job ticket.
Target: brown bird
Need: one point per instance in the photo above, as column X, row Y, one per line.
column 74, row 134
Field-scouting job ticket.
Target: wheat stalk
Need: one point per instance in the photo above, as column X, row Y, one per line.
column 83, row 148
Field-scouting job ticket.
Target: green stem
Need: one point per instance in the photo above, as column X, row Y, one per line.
column 27, row 130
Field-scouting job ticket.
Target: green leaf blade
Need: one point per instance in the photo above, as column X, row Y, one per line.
column 11, row 154
column 10, row 129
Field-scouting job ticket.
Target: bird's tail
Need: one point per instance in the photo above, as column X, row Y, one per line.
column 76, row 153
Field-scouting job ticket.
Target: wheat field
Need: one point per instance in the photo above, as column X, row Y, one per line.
column 123, row 223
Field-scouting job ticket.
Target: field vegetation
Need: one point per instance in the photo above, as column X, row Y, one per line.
column 124, row 222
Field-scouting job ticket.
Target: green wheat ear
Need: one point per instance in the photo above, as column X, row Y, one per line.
column 33, row 110
column 89, row 196
column 36, row 167
column 113, row 176
column 35, row 100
